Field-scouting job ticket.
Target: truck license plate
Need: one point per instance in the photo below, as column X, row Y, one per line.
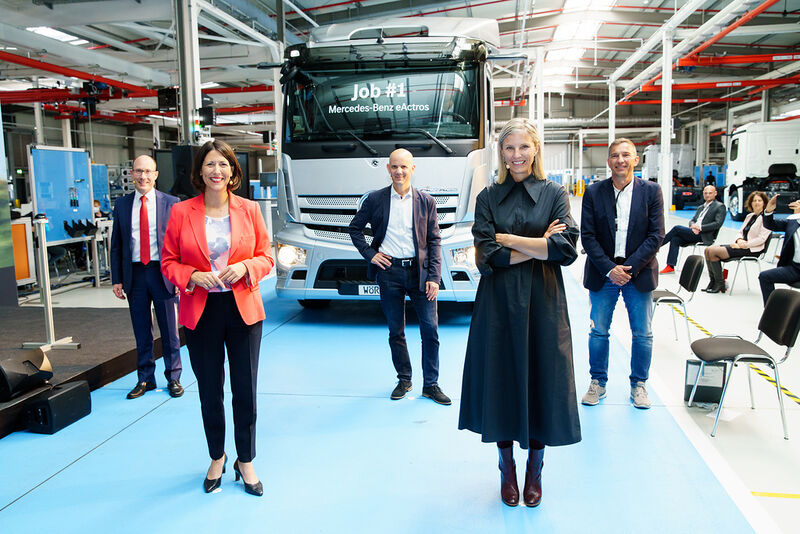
column 369, row 290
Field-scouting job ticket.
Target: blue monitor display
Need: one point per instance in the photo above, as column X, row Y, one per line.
column 100, row 187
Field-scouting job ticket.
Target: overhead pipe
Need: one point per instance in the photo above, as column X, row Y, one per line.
column 727, row 84
column 134, row 90
column 711, row 61
column 62, row 111
column 689, row 100
column 48, row 95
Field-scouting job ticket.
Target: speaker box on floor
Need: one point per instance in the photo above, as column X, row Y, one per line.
column 61, row 406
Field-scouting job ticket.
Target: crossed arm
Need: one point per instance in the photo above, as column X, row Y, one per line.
column 526, row 248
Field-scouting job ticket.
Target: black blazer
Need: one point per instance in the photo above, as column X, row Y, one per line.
column 712, row 222
column 790, row 228
column 427, row 241
column 120, row 257
column 645, row 233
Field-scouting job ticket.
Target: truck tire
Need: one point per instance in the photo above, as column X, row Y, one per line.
column 679, row 204
column 314, row 304
column 735, row 206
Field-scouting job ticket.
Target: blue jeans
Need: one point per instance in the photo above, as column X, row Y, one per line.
column 640, row 314
column 396, row 282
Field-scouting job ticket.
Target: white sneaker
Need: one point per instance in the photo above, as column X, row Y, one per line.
column 595, row 393
column 639, row 396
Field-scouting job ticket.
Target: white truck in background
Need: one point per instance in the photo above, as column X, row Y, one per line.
column 763, row 156
column 683, row 159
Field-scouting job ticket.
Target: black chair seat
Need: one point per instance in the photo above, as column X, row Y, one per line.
column 662, row 295
column 714, row 349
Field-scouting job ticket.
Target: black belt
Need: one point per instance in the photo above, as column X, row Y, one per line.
column 404, row 262
column 619, row 260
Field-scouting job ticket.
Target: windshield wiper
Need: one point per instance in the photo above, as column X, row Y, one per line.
column 432, row 137
column 363, row 143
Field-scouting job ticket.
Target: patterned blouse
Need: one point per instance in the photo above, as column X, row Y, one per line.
column 218, row 235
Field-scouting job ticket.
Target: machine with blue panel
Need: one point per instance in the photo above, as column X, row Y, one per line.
column 100, row 190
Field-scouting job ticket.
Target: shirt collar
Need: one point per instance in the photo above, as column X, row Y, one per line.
column 151, row 195
column 793, row 217
column 396, row 195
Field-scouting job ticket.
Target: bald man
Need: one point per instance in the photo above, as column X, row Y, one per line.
column 140, row 220
column 703, row 227
column 405, row 259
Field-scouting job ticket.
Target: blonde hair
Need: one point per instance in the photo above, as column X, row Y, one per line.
column 524, row 127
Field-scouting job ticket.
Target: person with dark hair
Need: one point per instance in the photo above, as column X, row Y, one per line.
column 788, row 269
column 140, row 220
column 749, row 242
column 216, row 251
column 622, row 227
column 519, row 383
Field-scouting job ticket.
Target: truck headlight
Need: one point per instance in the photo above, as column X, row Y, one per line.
column 464, row 257
column 289, row 256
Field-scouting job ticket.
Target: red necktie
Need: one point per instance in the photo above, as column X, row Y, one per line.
column 144, row 233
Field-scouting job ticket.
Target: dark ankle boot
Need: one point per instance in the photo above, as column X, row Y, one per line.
column 532, row 492
column 715, row 268
column 509, row 491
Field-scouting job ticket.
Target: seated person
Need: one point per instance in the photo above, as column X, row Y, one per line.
column 704, row 226
column 788, row 269
column 749, row 242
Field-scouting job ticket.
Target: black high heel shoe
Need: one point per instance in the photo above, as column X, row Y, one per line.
column 210, row 484
column 253, row 489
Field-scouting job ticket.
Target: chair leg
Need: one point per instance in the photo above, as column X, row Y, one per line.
column 674, row 325
column 780, row 401
column 735, row 274
column 696, row 379
column 686, row 317
column 750, row 384
column 747, row 276
column 722, row 399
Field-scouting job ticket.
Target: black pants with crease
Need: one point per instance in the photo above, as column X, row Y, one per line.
column 221, row 327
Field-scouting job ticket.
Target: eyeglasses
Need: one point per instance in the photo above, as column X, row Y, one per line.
column 144, row 172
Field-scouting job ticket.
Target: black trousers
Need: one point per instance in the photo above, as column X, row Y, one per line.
column 679, row 236
column 221, row 327
column 786, row 274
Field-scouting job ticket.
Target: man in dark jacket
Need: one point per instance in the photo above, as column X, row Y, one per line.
column 788, row 269
column 703, row 227
column 622, row 226
column 405, row 259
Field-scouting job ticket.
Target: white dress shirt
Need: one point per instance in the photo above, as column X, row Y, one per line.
column 623, row 205
column 699, row 221
column 399, row 239
column 796, row 237
column 151, row 224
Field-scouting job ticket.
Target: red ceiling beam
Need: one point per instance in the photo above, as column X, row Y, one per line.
column 747, row 17
column 711, row 61
column 726, row 85
column 228, row 90
column 245, row 109
column 689, row 100
column 63, row 110
column 135, row 90
column 48, row 95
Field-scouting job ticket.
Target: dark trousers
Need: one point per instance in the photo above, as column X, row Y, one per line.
column 679, row 236
column 148, row 287
column 395, row 283
column 221, row 327
column 787, row 274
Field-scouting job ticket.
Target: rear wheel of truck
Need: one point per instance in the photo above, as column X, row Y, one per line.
column 735, row 206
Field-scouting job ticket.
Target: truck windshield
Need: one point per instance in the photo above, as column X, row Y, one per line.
column 380, row 103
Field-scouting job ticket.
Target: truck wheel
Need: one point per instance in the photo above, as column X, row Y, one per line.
column 679, row 204
column 314, row 304
column 734, row 207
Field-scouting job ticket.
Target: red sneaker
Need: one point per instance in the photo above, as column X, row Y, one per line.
column 666, row 270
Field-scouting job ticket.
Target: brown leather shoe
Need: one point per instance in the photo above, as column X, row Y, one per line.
column 509, row 491
column 532, row 492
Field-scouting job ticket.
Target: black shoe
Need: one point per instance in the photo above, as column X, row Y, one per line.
column 436, row 394
column 718, row 288
column 175, row 388
column 140, row 389
column 253, row 489
column 210, row 484
column 400, row 390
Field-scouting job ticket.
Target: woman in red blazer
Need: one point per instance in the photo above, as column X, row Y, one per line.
column 216, row 250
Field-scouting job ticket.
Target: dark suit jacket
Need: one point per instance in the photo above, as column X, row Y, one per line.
column 375, row 211
column 645, row 233
column 789, row 227
column 712, row 222
column 121, row 263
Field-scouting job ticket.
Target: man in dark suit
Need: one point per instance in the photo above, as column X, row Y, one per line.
column 140, row 220
column 622, row 226
column 704, row 226
column 405, row 259
column 788, row 269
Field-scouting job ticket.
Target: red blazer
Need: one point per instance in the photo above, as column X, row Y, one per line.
column 185, row 250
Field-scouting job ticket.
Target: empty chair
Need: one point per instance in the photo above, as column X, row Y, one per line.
column 690, row 278
column 780, row 321
column 748, row 259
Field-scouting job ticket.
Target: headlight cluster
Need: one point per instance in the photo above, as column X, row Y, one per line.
column 289, row 256
column 464, row 257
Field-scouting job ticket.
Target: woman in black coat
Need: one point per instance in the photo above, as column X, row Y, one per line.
column 518, row 382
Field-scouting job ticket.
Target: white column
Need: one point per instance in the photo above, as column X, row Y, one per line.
column 538, row 79
column 66, row 137
column 38, row 120
column 188, row 66
column 765, row 106
column 156, row 134
column 612, row 117
column 580, row 156
column 665, row 176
